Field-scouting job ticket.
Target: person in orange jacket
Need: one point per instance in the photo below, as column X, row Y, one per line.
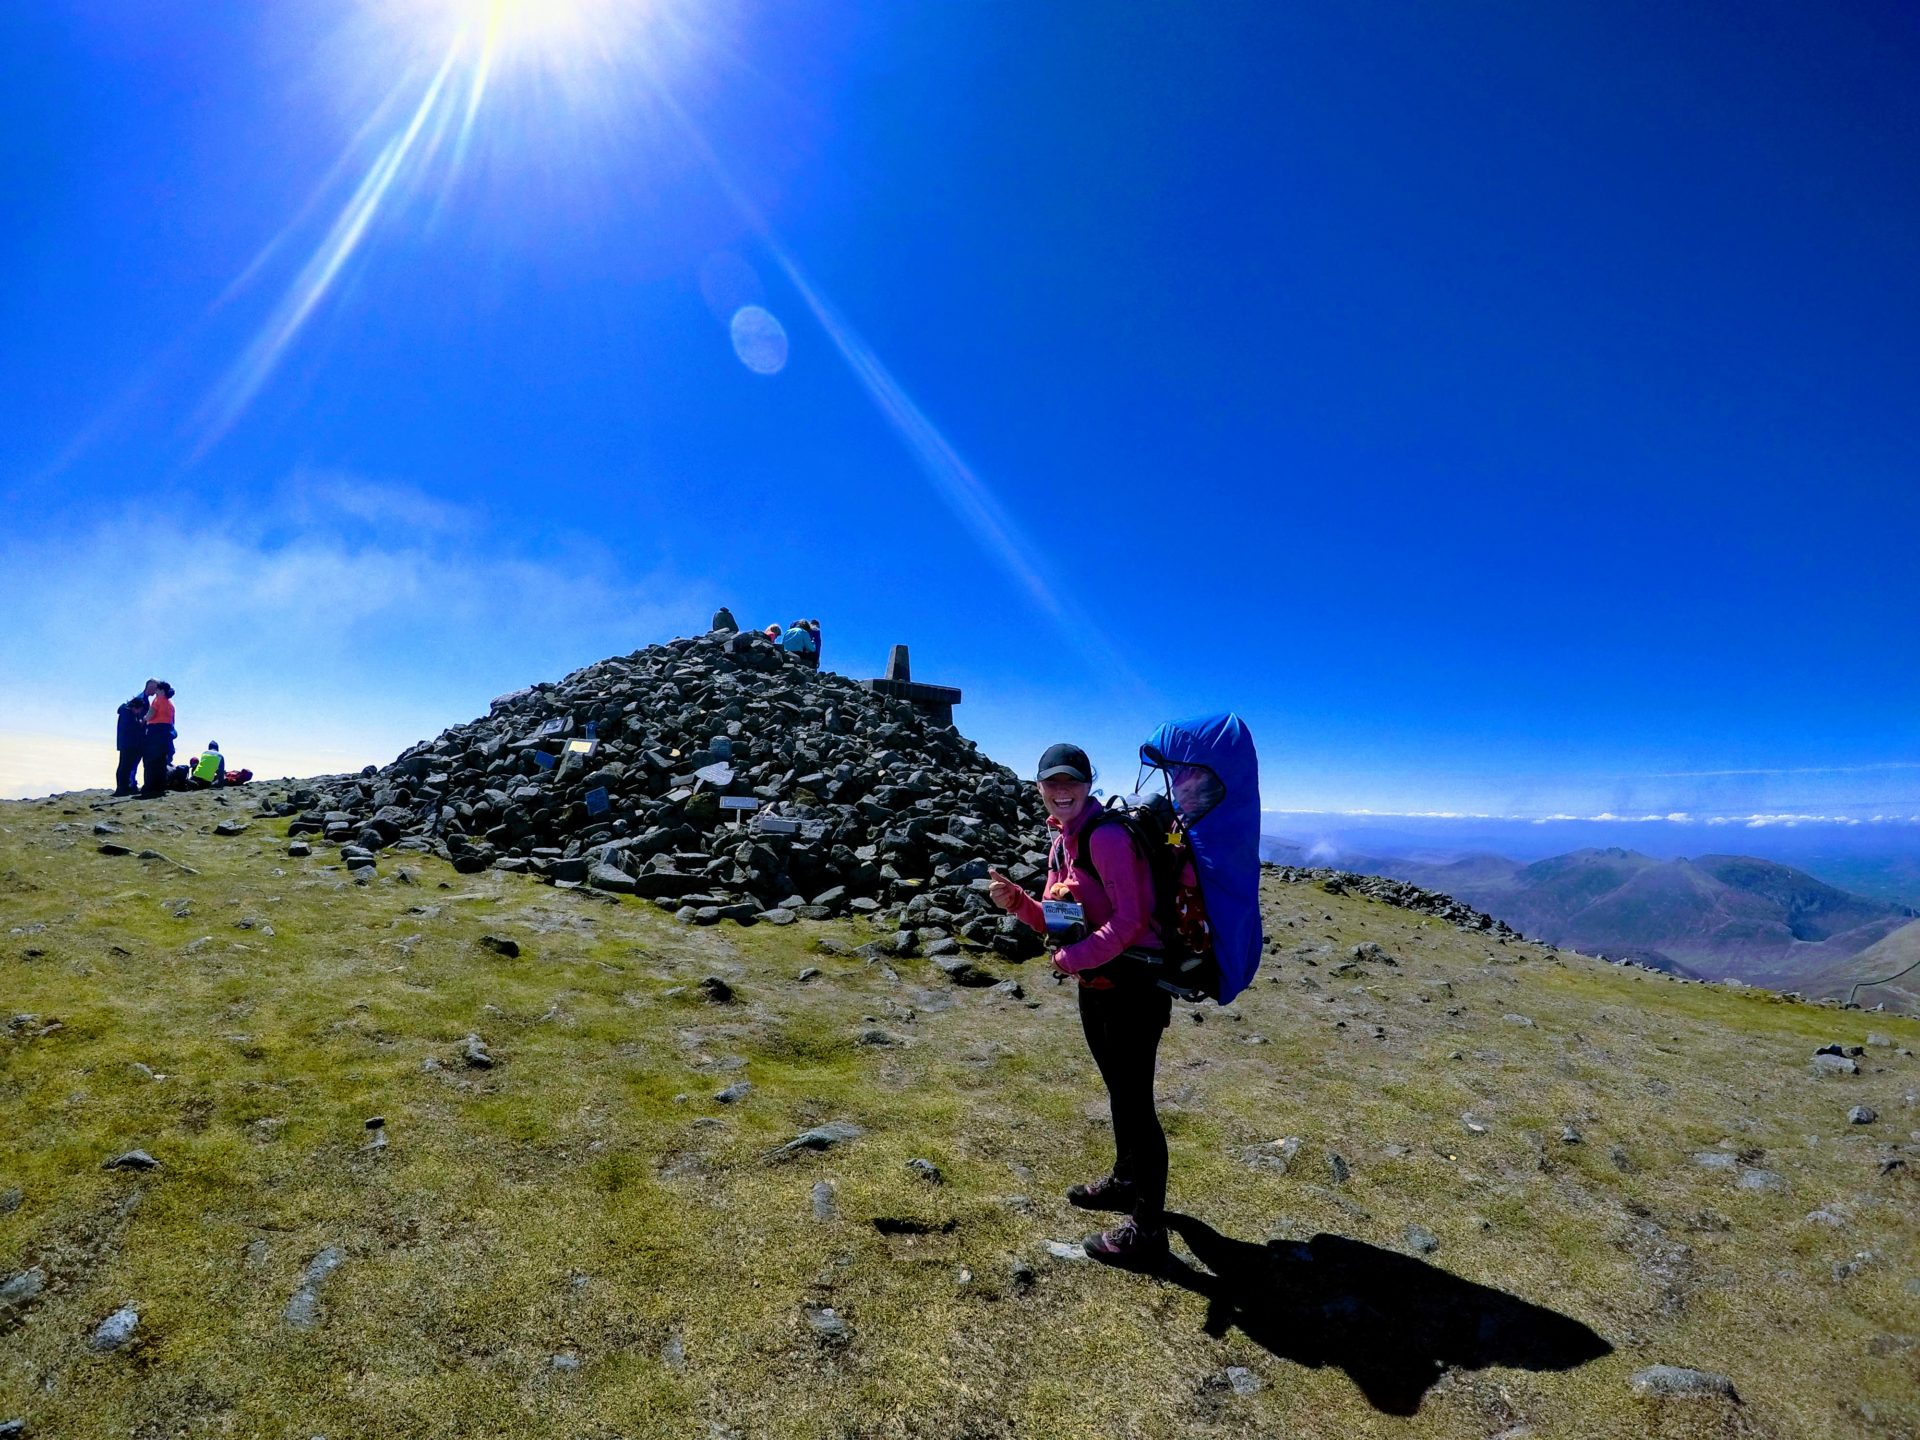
column 160, row 737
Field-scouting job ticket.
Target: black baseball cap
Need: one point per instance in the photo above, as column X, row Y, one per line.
column 1069, row 761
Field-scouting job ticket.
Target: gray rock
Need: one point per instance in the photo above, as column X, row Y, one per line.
column 1337, row 1167
column 131, row 1160
column 673, row 1352
column 303, row 1309
column 734, row 1093
column 612, row 879
column 229, row 828
column 1767, row 1180
column 828, row 1324
column 1570, row 1136
column 1854, row 1264
column 11, row 1199
column 1070, row 1251
column 13, row 1430
column 926, row 1170
column 778, row 915
column 717, row 990
column 1716, row 1159
column 24, row 1288
column 1241, row 1380
column 1275, row 1157
column 115, row 1331
column 1677, row 1380
column 820, row 1137
column 1862, row 1115
column 566, row 1362
column 501, row 945
column 1521, row 1020
column 877, row 1037
column 964, row 972
column 1420, row 1240
column 823, row 1209
column 473, row 1050
column 1826, row 1063
column 812, row 972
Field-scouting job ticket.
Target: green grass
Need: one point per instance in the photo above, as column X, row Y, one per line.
column 589, row 1197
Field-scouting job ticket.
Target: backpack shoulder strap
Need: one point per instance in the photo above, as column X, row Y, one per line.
column 1110, row 813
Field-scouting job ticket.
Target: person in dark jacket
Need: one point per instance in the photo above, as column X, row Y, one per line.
column 130, row 739
column 723, row 620
column 813, row 629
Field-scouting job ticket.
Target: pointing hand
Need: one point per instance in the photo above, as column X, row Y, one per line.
column 1004, row 892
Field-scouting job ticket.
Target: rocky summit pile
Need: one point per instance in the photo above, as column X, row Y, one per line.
column 1398, row 893
column 618, row 778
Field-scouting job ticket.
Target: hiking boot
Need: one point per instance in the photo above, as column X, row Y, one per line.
column 1129, row 1245
column 1107, row 1194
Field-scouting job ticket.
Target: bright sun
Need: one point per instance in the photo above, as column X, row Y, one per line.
column 558, row 36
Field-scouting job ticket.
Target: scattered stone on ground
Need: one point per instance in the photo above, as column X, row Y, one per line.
column 131, row 1160
column 1275, row 1157
column 828, row 1324
column 1862, row 1115
column 473, row 1050
column 820, row 1137
column 22, row 1289
column 304, row 1308
column 1241, row 1380
column 116, row 1330
column 501, row 945
column 1678, row 1380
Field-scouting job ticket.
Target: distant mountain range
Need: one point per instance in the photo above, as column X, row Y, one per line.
column 1715, row 916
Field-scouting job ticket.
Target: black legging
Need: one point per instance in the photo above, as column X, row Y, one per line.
column 1123, row 1027
column 156, row 761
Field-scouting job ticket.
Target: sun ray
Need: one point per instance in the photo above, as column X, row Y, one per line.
column 483, row 68
column 263, row 354
column 953, row 480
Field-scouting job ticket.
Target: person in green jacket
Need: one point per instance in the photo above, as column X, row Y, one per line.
column 209, row 767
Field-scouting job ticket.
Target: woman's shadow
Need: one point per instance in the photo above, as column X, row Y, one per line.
column 1393, row 1323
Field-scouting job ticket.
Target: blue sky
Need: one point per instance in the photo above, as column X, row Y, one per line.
column 1507, row 408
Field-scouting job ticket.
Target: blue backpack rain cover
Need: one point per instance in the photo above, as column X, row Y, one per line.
column 1222, row 817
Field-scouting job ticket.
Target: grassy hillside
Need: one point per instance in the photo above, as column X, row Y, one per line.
column 1495, row 1215
column 1898, row 955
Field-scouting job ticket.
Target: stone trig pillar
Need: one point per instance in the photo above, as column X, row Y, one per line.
column 936, row 702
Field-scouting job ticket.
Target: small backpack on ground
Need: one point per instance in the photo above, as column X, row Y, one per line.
column 1201, row 840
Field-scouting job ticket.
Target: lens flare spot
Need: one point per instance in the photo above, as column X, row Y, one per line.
column 759, row 340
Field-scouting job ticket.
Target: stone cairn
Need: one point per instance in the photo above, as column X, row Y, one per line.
column 618, row 778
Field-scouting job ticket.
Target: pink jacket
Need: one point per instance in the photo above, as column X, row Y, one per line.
column 1119, row 912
